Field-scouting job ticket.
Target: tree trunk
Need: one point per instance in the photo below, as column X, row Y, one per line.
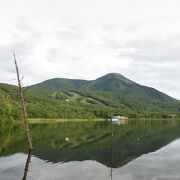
column 23, row 104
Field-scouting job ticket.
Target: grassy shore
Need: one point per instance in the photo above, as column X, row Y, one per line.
column 42, row 120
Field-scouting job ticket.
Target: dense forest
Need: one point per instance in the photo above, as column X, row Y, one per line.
column 80, row 104
column 69, row 99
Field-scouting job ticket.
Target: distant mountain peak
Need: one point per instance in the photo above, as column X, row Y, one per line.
column 111, row 82
column 117, row 76
column 114, row 74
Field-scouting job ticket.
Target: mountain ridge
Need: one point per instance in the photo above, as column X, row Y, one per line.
column 74, row 98
column 111, row 82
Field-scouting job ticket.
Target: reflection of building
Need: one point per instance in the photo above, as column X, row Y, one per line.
column 169, row 116
column 120, row 120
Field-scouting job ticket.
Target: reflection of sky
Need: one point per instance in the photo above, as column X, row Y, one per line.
column 163, row 164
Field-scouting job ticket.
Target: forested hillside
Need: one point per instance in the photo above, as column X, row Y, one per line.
column 64, row 98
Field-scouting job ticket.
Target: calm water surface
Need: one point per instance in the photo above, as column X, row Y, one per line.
column 140, row 150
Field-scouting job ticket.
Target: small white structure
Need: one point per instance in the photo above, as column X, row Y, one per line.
column 116, row 118
column 67, row 100
column 120, row 120
column 172, row 116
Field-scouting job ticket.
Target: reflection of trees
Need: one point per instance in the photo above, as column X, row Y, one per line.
column 26, row 168
column 91, row 140
column 112, row 148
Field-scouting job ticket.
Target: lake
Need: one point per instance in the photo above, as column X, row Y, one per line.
column 139, row 150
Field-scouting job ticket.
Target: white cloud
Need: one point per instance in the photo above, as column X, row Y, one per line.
column 86, row 39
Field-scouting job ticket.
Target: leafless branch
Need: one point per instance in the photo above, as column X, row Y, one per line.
column 23, row 104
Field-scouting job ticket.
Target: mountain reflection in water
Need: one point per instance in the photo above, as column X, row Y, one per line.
column 162, row 164
column 83, row 151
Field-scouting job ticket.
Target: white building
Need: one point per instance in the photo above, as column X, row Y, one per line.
column 120, row 120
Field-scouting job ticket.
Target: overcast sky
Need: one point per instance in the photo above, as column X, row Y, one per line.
column 86, row 39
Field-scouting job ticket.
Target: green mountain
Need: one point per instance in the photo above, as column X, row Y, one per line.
column 72, row 98
column 109, row 82
column 115, row 83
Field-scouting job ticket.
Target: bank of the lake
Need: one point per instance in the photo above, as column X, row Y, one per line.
column 43, row 120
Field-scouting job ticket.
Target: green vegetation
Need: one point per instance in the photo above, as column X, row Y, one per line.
column 79, row 99
column 9, row 108
column 46, row 106
column 90, row 140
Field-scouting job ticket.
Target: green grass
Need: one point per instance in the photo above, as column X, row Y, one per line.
column 43, row 120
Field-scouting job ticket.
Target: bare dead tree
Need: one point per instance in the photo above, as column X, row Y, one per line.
column 23, row 105
column 26, row 168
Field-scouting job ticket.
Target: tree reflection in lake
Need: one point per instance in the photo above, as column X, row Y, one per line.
column 88, row 146
column 26, row 168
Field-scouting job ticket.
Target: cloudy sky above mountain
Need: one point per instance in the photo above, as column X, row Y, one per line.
column 86, row 39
